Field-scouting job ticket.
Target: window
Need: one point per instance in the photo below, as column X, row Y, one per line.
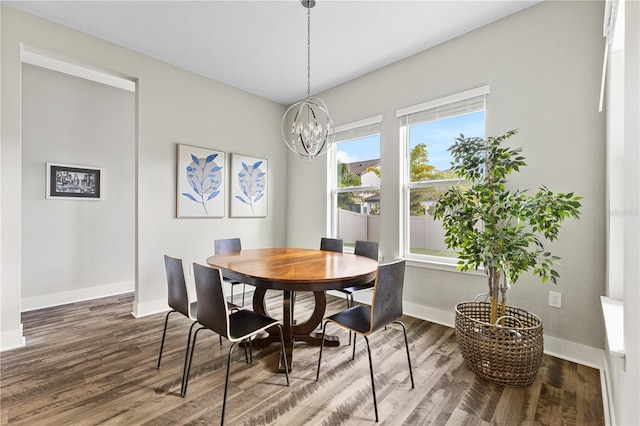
column 427, row 131
column 355, row 175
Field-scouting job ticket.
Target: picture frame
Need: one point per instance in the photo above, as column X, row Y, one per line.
column 72, row 182
column 200, row 182
column 249, row 186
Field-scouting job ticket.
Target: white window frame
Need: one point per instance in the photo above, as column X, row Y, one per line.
column 366, row 127
column 429, row 108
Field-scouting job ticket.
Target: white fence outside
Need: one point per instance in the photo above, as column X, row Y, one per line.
column 425, row 231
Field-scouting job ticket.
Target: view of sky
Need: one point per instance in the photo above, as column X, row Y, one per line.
column 359, row 149
column 437, row 135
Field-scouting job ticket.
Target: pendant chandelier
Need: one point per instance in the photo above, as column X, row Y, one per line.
column 306, row 127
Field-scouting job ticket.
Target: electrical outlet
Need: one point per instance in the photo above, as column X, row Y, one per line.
column 555, row 299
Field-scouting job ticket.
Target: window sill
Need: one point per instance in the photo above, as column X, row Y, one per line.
column 613, row 312
column 442, row 266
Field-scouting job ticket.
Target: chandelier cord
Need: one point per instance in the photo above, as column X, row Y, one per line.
column 308, row 53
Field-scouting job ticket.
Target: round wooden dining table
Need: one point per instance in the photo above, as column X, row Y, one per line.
column 291, row 270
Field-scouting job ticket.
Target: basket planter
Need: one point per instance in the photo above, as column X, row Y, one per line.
column 509, row 353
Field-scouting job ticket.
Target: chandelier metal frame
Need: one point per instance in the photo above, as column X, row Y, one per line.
column 306, row 127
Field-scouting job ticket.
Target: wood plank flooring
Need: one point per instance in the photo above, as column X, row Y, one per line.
column 92, row 363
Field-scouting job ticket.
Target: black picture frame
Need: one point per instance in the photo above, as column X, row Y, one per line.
column 65, row 181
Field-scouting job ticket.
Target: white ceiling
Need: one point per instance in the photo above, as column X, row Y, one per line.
column 261, row 46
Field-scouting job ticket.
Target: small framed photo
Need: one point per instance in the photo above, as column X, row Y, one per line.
column 70, row 182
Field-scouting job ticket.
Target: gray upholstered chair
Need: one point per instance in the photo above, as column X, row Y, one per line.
column 228, row 245
column 214, row 315
column 386, row 308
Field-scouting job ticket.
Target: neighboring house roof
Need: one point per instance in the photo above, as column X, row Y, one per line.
column 373, row 198
column 360, row 167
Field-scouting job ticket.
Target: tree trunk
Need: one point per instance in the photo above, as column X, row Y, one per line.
column 494, row 287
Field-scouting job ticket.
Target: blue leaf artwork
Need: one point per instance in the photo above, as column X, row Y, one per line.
column 204, row 177
column 251, row 180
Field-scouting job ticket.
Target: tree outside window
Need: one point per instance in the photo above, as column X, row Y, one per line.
column 430, row 174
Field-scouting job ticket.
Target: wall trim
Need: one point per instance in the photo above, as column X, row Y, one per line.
column 575, row 352
column 73, row 296
column 607, row 395
column 44, row 59
column 149, row 308
column 12, row 339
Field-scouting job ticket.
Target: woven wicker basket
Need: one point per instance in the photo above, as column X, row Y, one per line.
column 508, row 354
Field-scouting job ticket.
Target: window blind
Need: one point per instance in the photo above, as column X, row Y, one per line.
column 450, row 106
column 359, row 129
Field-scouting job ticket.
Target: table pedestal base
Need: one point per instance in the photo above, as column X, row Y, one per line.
column 304, row 332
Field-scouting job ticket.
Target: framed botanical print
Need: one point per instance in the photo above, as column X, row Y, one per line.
column 249, row 186
column 200, row 182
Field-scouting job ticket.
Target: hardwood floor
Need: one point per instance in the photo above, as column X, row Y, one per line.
column 92, row 363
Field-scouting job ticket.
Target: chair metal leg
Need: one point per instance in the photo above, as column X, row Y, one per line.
column 232, row 286
column 187, row 369
column 164, row 333
column 406, row 344
column 248, row 342
column 284, row 353
column 353, row 355
column 186, row 355
column 373, row 383
column 349, row 304
column 226, row 383
column 324, row 329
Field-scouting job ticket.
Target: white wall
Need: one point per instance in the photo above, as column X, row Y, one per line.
column 82, row 246
column 172, row 106
column 543, row 66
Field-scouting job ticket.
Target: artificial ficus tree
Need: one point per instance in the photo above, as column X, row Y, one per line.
column 493, row 227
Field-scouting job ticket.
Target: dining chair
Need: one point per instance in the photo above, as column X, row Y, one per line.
column 386, row 308
column 363, row 248
column 178, row 300
column 335, row 245
column 331, row 244
column 214, row 315
column 227, row 245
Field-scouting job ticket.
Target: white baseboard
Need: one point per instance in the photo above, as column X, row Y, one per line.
column 149, row 308
column 79, row 295
column 575, row 352
column 426, row 313
column 12, row 339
